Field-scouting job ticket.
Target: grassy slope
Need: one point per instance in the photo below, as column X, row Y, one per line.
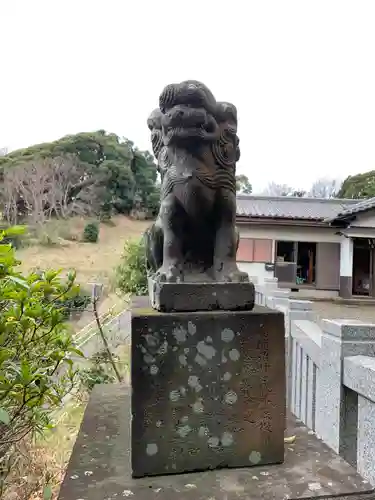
column 93, row 262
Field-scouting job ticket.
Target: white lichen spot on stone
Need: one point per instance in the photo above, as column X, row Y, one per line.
column 227, row 376
column 147, row 358
column 127, row 493
column 186, row 350
column 180, row 334
column 206, row 350
column 190, row 486
column 314, row 486
column 264, row 473
column 254, row 458
column 213, row 442
column 198, row 407
column 154, row 370
column 209, row 340
column 159, row 423
column 74, row 476
column 151, row 449
column 174, row 395
column 200, row 360
column 185, row 419
column 191, row 328
column 230, row 397
column 163, row 348
column 174, row 348
column 193, row 382
column 227, row 439
column 255, row 478
column 88, row 473
column 184, row 430
column 151, row 340
column 203, row 431
column 234, row 355
column 227, row 335
column 182, row 359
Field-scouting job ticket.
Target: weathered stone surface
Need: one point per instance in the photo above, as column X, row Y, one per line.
column 233, row 296
column 208, row 390
column 100, row 466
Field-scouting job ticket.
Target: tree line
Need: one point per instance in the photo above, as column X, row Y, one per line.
column 82, row 174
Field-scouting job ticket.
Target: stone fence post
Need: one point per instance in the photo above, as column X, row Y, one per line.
column 296, row 309
column 337, row 405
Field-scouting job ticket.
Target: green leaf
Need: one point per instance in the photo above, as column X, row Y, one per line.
column 19, row 281
column 4, row 416
column 77, row 351
column 47, row 492
column 15, row 230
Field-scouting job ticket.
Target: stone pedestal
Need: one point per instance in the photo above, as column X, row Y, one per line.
column 208, row 390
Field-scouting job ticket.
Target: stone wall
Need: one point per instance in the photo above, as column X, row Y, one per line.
column 330, row 373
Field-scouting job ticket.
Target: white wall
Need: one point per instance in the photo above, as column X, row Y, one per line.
column 255, row 269
column 289, row 233
column 365, row 220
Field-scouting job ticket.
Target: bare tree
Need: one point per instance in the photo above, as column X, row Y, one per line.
column 274, row 189
column 325, row 187
column 38, row 190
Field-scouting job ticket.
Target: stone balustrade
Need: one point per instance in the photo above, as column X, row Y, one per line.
column 330, row 376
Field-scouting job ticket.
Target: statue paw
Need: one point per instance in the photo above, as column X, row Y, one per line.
column 170, row 274
column 231, row 273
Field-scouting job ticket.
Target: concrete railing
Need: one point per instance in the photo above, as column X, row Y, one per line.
column 330, row 377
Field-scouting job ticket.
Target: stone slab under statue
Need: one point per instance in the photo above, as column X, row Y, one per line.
column 194, row 239
column 204, row 296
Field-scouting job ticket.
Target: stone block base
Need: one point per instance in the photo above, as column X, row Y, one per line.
column 207, row 296
column 208, row 390
column 99, row 467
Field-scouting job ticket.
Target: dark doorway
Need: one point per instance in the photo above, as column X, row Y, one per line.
column 306, row 263
column 285, row 251
column 362, row 264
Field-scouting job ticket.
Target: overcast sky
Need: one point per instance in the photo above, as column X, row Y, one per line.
column 301, row 73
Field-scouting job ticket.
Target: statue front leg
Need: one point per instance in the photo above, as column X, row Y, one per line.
column 172, row 268
column 226, row 241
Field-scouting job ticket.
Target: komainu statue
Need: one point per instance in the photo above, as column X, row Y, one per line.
column 194, row 139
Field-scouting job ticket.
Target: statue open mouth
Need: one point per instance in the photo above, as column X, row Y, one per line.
column 184, row 122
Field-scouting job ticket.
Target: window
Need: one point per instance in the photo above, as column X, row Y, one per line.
column 254, row 250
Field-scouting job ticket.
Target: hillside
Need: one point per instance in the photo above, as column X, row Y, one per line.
column 92, row 261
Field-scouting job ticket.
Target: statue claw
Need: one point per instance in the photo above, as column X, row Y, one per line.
column 170, row 274
column 231, row 273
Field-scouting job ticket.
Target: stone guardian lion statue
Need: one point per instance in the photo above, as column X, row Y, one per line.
column 194, row 139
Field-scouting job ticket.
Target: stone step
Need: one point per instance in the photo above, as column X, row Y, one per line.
column 100, row 469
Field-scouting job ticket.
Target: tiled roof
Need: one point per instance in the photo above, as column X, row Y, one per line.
column 356, row 208
column 290, row 207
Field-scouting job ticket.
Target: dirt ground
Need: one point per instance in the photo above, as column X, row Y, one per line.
column 329, row 310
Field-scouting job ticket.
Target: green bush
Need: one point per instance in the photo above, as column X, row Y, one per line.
column 99, row 372
column 36, row 371
column 75, row 304
column 131, row 274
column 91, row 232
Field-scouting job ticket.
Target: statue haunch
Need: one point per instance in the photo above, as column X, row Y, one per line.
column 195, row 141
